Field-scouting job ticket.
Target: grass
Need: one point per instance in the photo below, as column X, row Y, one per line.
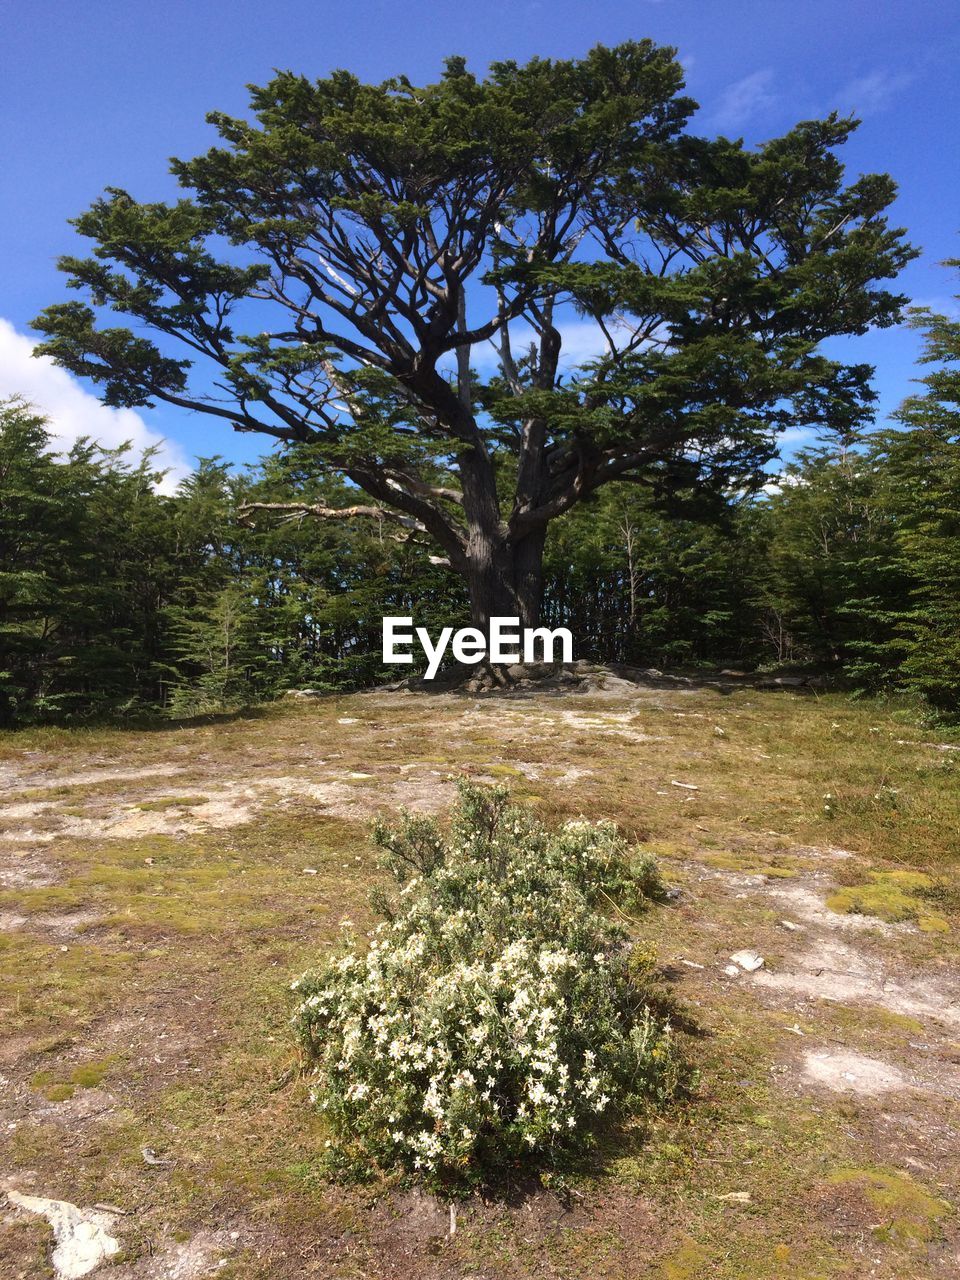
column 171, row 802
column 173, row 997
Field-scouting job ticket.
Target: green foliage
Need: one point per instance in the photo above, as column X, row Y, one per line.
column 832, row 576
column 371, row 238
column 82, row 544
column 496, row 1017
column 118, row 599
column 922, row 463
column 639, row 584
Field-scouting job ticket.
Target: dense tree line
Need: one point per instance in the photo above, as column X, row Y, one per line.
column 116, row 598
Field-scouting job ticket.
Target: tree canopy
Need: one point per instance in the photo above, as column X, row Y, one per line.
column 385, row 275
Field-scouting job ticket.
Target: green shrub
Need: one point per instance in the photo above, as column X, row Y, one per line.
column 495, row 1016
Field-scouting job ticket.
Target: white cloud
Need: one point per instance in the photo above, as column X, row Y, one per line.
column 743, row 100
column 72, row 411
column 794, row 438
column 873, row 92
column 580, row 340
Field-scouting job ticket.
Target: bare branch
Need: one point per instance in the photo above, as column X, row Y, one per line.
column 300, row 510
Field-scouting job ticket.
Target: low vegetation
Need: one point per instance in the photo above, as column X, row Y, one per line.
column 495, row 1016
column 146, row 957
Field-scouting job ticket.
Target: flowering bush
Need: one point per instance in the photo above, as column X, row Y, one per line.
column 495, row 1014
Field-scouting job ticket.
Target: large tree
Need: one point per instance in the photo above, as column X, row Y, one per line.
column 385, row 274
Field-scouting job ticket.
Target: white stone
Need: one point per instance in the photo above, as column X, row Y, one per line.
column 846, row 1071
column 747, row 960
column 81, row 1235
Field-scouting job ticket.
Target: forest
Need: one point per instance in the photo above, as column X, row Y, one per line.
column 119, row 600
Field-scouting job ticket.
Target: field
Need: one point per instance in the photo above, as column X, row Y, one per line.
column 161, row 888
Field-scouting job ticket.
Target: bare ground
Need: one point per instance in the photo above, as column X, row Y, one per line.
column 159, row 890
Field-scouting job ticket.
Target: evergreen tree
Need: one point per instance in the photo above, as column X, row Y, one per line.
column 921, row 463
column 339, row 262
column 832, row 578
column 641, row 585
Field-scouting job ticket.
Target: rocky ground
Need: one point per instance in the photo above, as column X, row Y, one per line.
column 161, row 888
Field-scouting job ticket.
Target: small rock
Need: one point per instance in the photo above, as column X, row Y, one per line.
column 310, row 871
column 691, row 964
column 150, row 1157
column 747, row 960
column 348, row 720
column 686, row 786
column 789, row 925
column 731, row 971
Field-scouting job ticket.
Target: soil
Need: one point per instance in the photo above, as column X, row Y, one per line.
column 837, row 1057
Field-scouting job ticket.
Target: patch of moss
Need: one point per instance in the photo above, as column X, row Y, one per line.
column 689, row 1262
column 666, row 848
column 91, row 1074
column 45, row 990
column 503, row 771
column 171, row 802
column 895, row 896
column 59, row 1092
column 86, row 1076
column 750, row 865
column 910, row 1213
column 43, row 898
column 867, row 1019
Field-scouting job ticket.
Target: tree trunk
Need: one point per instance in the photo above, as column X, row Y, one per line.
column 504, row 576
column 505, row 579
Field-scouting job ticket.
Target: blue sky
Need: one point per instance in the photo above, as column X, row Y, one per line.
column 98, row 93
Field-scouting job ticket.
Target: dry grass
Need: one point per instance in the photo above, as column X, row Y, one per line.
column 158, row 1018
